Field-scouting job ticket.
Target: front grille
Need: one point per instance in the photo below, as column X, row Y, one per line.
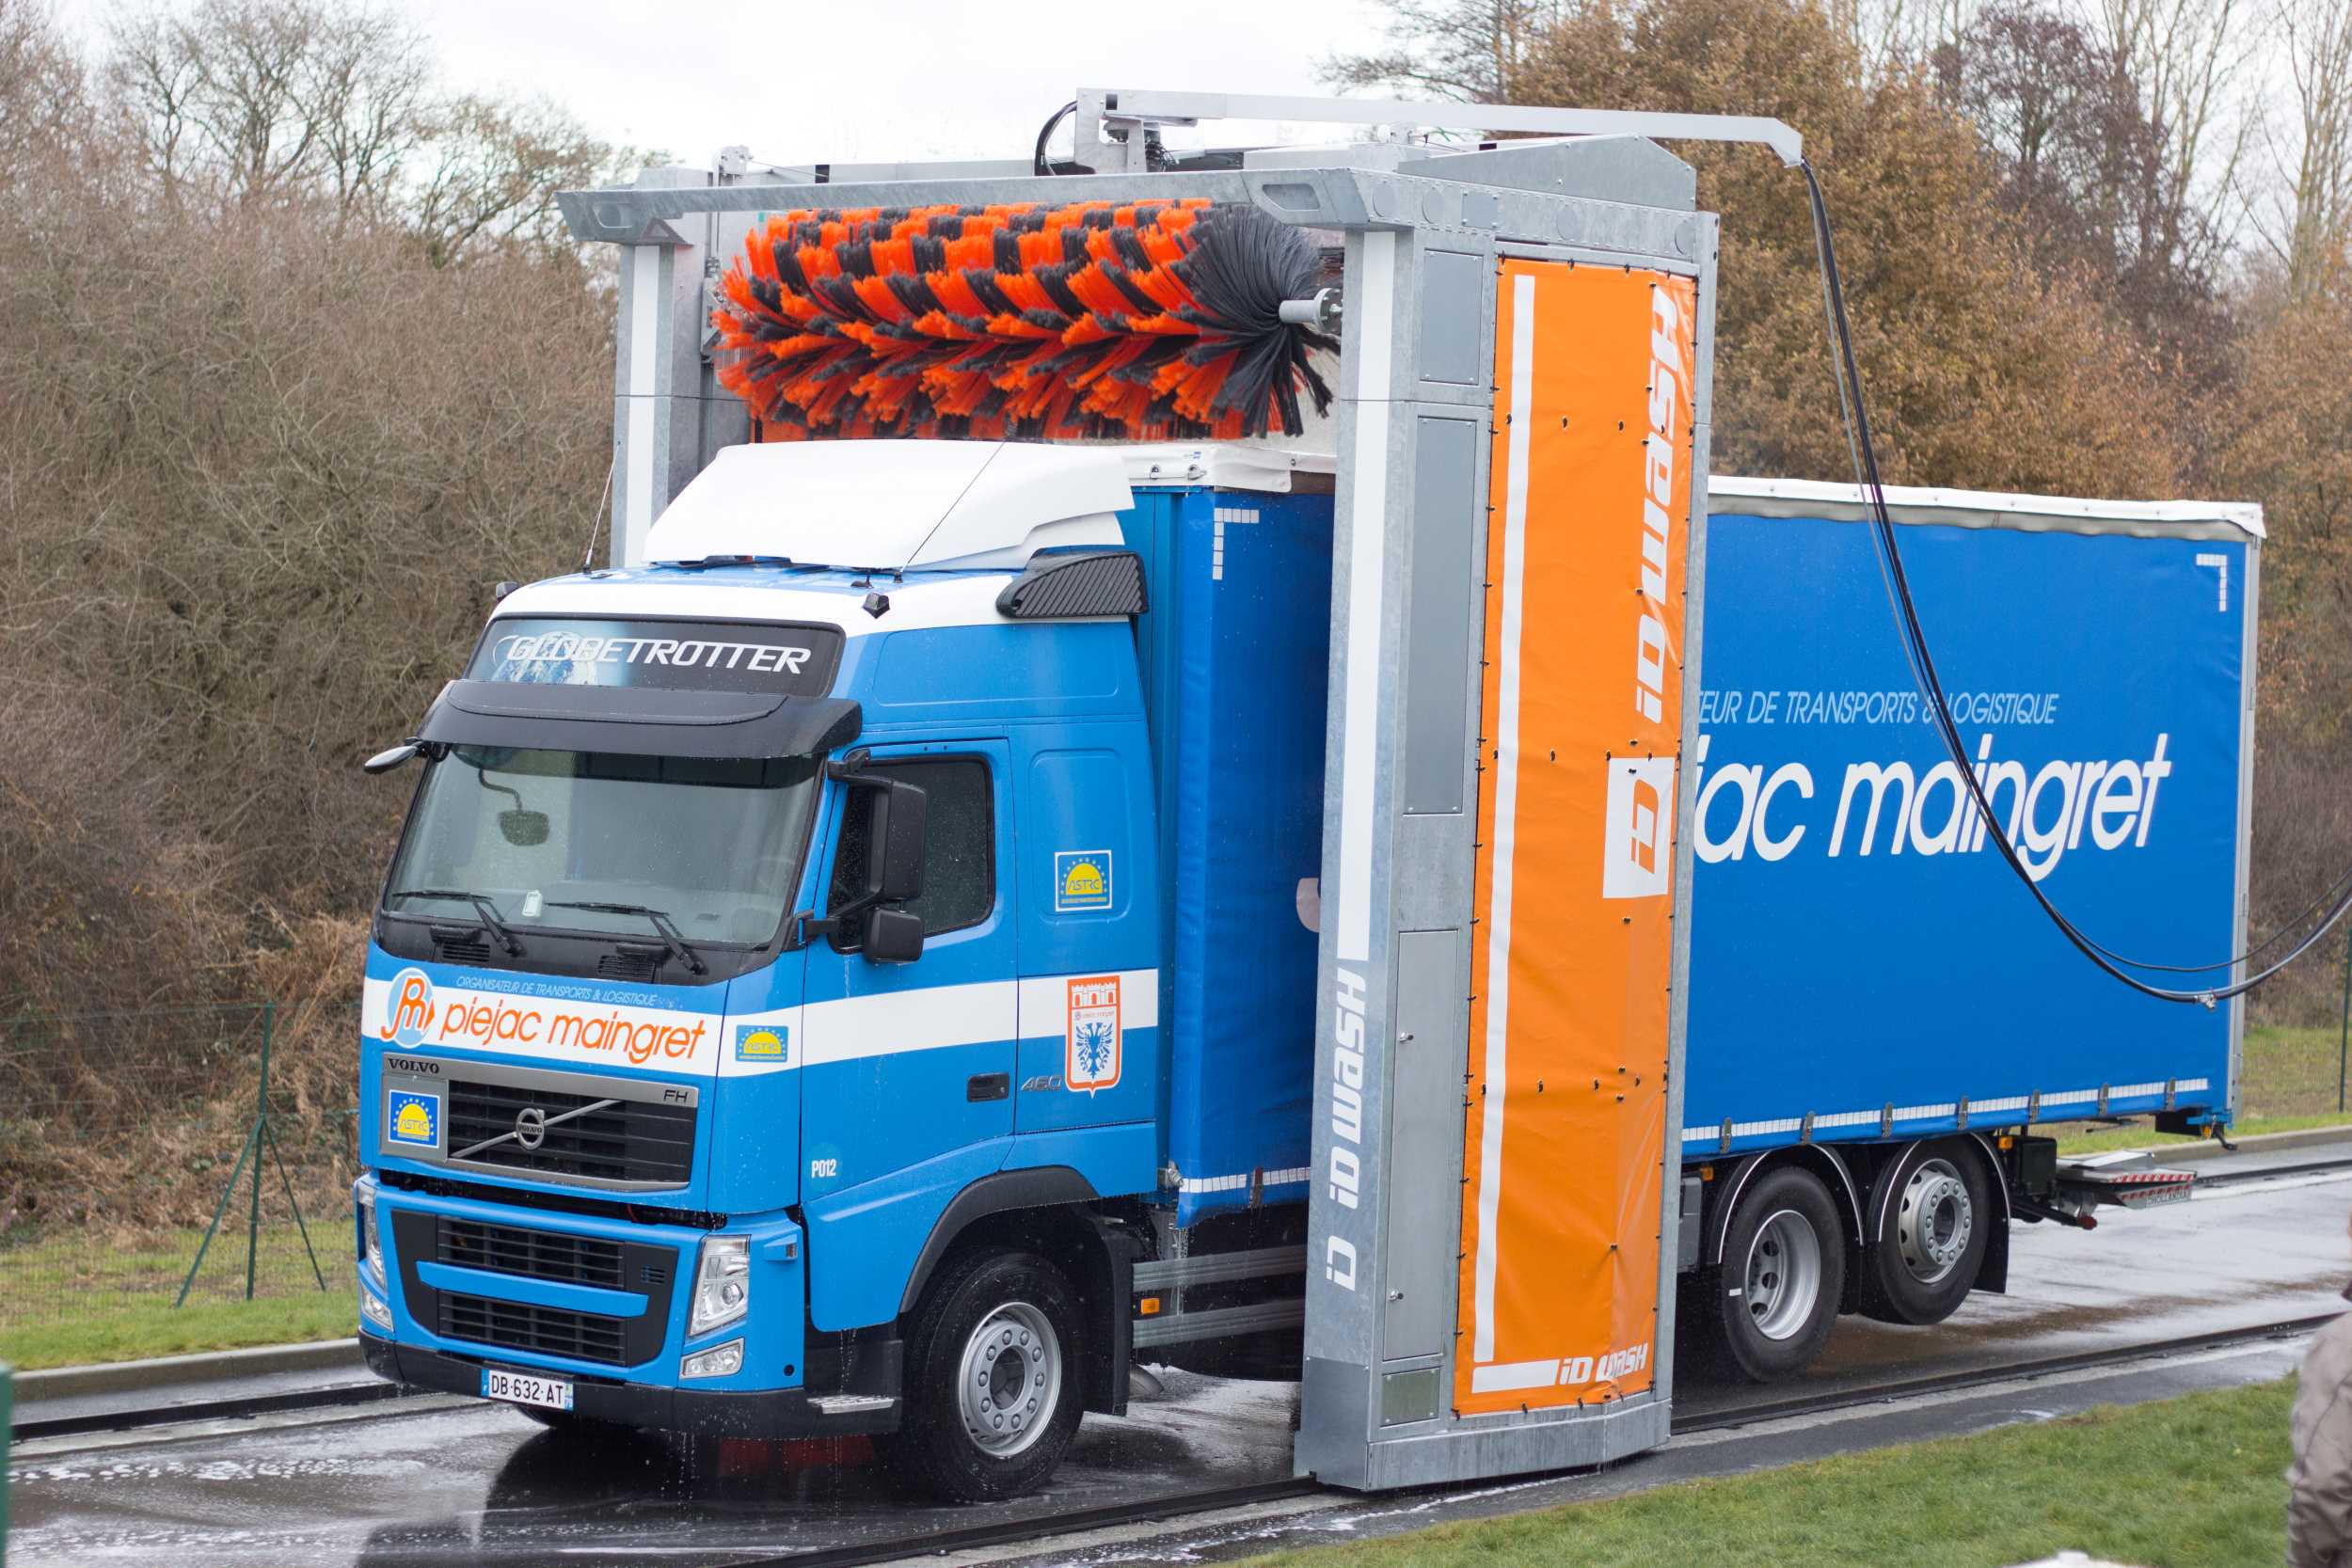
column 533, row 1254
column 544, row 1330
column 629, row 966
column 632, row 1140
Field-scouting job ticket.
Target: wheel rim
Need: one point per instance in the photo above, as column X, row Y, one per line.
column 1934, row 1219
column 1783, row 1275
column 1008, row 1380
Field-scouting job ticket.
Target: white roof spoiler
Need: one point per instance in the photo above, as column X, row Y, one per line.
column 896, row 506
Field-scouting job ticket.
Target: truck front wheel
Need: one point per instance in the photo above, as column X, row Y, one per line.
column 992, row 1395
column 1933, row 1213
column 1783, row 1273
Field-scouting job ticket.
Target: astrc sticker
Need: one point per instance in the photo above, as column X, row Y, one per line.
column 768, row 1044
column 1082, row 881
column 412, row 1121
column 1090, row 1058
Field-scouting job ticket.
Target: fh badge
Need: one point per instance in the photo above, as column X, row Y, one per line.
column 1091, row 1059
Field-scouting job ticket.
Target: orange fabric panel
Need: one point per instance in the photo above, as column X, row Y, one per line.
column 1572, row 954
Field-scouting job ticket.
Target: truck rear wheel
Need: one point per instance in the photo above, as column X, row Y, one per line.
column 992, row 1379
column 1933, row 1223
column 1783, row 1273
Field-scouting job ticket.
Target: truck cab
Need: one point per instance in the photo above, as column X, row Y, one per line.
column 763, row 1015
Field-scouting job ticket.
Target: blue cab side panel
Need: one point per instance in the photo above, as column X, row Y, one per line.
column 891, row 1054
column 1236, row 653
column 1856, row 963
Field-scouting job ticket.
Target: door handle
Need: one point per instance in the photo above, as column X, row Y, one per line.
column 988, row 1085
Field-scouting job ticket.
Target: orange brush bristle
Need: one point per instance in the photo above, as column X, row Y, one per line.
column 1151, row 320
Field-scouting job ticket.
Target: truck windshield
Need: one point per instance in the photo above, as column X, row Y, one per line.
column 713, row 845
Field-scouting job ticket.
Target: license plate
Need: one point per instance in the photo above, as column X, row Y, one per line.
column 550, row 1393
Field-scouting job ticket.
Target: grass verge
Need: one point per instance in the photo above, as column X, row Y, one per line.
column 70, row 1300
column 2289, row 1085
column 2189, row 1483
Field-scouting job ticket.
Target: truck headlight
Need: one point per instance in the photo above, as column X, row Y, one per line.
column 722, row 1283
column 375, row 1313
column 371, row 1244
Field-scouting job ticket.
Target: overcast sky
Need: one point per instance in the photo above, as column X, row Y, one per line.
column 803, row 80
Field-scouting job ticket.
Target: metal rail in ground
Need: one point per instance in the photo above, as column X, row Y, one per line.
column 27, row 1430
column 344, row 1395
column 1937, row 1383
column 1040, row 1529
column 2270, row 1173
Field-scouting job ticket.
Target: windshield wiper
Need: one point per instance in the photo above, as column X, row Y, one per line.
column 671, row 935
column 482, row 907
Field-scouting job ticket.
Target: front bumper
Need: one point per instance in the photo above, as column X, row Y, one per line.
column 706, row 1412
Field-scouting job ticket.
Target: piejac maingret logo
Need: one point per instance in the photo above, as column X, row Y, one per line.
column 407, row 1007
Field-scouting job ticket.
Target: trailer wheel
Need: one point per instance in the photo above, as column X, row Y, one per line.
column 1935, row 1220
column 1783, row 1273
column 992, row 1396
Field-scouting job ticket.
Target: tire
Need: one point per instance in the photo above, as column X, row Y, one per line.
column 1934, row 1215
column 992, row 1391
column 1775, row 1294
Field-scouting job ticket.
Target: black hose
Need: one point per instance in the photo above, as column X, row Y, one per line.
column 1923, row 668
column 1036, row 161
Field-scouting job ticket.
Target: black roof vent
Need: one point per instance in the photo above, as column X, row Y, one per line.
column 1065, row 585
column 632, row 963
column 452, row 945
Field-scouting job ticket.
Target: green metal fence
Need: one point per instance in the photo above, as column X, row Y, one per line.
column 161, row 1168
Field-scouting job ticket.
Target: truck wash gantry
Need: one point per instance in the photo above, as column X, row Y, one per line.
column 1521, row 437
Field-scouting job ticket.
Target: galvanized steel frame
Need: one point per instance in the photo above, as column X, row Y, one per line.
column 1389, row 874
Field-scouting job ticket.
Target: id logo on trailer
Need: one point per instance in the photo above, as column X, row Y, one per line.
column 1637, row 859
column 1090, row 1055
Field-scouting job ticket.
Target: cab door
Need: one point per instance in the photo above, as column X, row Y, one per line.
column 1090, row 989
column 907, row 1062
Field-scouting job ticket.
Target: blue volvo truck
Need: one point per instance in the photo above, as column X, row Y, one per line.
column 853, row 973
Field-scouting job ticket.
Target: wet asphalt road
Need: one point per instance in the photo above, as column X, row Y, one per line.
column 473, row 1483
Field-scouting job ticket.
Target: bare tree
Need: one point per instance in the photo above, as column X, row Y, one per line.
column 2187, row 58
column 252, row 100
column 494, row 171
column 2316, row 224
column 1467, row 49
column 43, row 101
column 153, row 83
column 2060, row 116
column 367, row 86
column 1888, row 34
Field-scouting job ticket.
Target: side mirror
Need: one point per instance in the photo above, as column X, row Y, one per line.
column 900, row 811
column 385, row 761
column 892, row 936
column 523, row 828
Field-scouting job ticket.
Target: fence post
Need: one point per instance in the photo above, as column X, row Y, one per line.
column 260, row 1126
column 2344, row 1040
column 7, row 1416
column 249, row 1150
